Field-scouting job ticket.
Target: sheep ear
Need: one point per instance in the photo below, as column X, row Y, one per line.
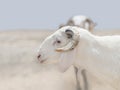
column 69, row 33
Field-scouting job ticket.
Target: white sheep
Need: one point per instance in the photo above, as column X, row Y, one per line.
column 80, row 21
column 99, row 56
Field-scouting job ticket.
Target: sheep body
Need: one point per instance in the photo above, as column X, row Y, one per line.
column 99, row 56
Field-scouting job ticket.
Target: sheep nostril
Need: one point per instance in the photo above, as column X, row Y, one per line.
column 38, row 56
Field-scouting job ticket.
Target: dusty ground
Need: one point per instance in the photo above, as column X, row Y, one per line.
column 19, row 69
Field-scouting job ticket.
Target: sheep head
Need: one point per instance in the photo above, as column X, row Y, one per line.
column 63, row 40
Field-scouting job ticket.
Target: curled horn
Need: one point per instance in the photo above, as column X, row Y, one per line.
column 72, row 43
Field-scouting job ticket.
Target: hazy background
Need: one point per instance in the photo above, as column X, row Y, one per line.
column 19, row 67
column 44, row 14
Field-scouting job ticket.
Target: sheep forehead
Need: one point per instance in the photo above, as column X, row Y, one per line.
column 59, row 34
column 55, row 36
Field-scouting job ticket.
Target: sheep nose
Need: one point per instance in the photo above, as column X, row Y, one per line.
column 38, row 56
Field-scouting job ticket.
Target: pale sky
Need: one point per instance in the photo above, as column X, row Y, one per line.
column 48, row 14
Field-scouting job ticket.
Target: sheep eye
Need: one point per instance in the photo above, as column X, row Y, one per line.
column 58, row 41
